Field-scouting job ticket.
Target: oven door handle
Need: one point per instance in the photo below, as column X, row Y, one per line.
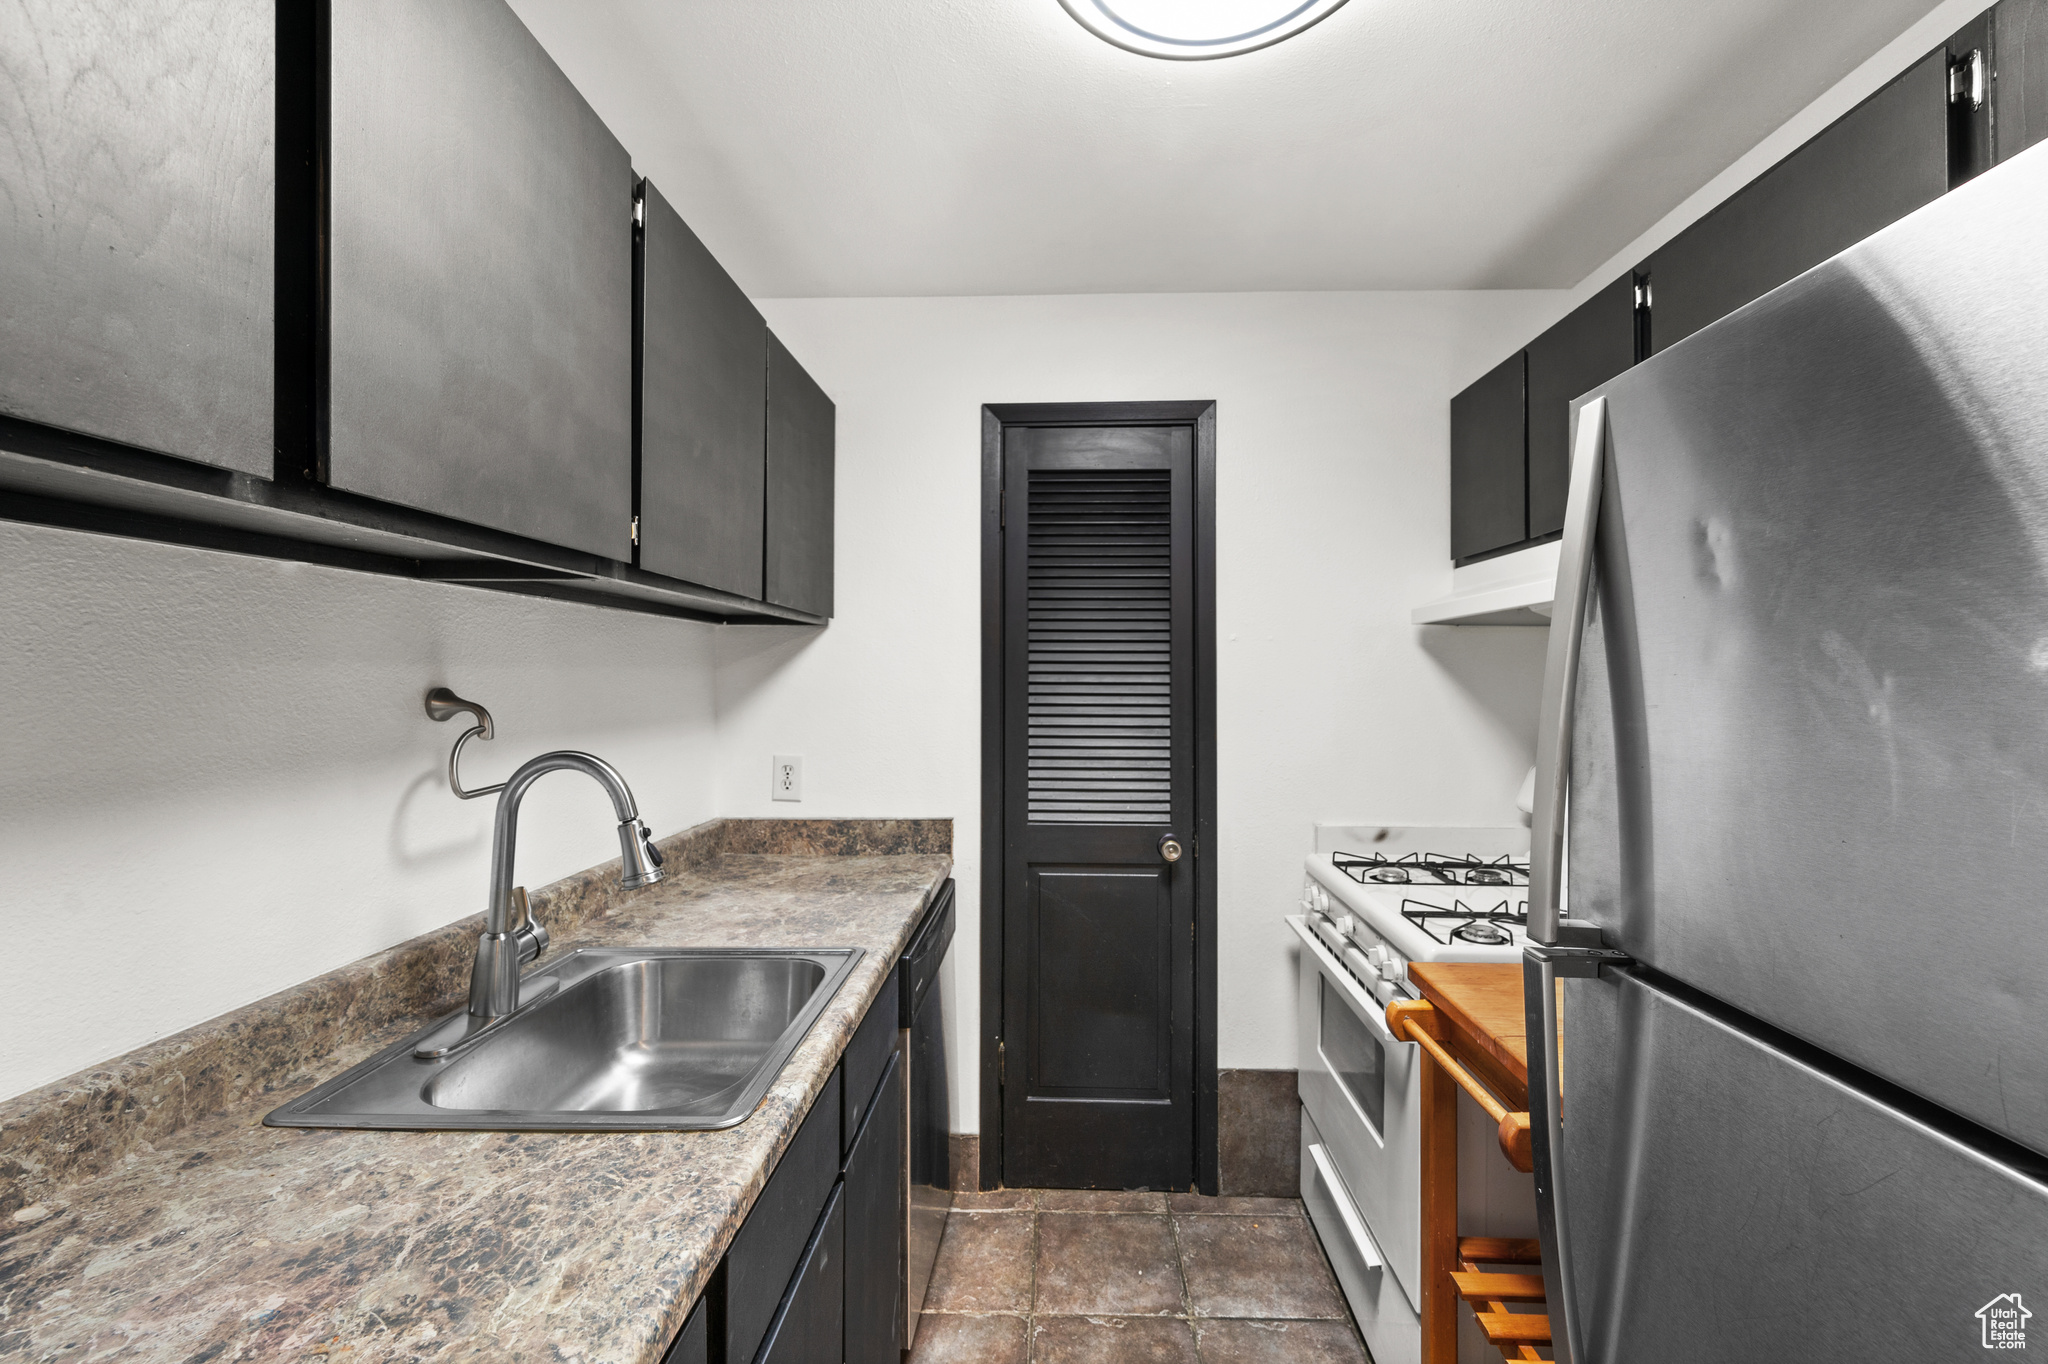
column 1340, row 1194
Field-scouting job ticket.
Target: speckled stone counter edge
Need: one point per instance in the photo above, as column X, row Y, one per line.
column 82, row 1125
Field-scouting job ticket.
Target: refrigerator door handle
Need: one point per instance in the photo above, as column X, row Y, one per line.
column 1542, row 968
column 1539, row 1000
column 1561, row 670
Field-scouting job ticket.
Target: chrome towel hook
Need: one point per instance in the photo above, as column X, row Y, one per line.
column 443, row 704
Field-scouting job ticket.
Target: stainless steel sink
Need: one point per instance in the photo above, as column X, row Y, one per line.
column 614, row 1039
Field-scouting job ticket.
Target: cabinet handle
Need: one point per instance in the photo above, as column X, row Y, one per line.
column 1170, row 848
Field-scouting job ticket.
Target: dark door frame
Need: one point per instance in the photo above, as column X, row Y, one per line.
column 1201, row 416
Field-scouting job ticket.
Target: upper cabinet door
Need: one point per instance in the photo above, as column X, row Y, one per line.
column 1871, row 167
column 136, row 260
column 480, row 268
column 800, row 435
column 2020, row 91
column 1489, row 463
column 1590, row 346
column 703, row 402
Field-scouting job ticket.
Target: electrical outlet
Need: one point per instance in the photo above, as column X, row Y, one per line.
column 787, row 778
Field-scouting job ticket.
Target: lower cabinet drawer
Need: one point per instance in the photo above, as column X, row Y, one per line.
column 776, row 1235
column 810, row 1324
column 867, row 1056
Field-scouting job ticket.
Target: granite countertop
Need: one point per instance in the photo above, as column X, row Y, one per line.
column 146, row 1214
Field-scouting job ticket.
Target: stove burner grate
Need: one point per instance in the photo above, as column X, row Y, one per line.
column 1462, row 923
column 1431, row 869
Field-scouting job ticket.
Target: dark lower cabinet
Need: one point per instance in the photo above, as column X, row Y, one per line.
column 1595, row 342
column 774, row 1240
column 1489, row 463
column 877, row 1224
column 798, row 558
column 818, row 1272
column 479, row 278
column 137, row 223
column 703, row 395
column 871, row 1052
column 692, row 1344
column 810, row 1322
column 1866, row 170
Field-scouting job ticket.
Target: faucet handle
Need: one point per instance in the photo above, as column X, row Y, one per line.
column 647, row 840
column 531, row 935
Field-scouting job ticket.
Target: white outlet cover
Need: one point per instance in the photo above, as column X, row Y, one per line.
column 786, row 778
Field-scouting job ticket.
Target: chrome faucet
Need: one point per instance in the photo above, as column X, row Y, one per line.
column 502, row 949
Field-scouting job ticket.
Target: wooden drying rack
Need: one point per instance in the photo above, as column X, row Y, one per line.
column 1470, row 1027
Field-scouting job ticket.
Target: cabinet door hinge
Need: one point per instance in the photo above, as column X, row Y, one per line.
column 639, row 209
column 1002, row 1066
column 636, row 530
column 1002, row 509
column 1966, row 79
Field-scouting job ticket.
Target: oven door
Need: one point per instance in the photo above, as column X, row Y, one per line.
column 1364, row 1092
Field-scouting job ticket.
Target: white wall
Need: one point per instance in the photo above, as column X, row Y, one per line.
column 1332, row 515
column 216, row 778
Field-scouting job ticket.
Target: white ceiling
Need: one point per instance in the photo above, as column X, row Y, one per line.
column 917, row 147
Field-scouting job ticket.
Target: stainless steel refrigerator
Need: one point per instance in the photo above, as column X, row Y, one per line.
column 1789, row 1042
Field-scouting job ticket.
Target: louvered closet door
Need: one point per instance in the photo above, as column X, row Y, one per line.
column 1098, row 972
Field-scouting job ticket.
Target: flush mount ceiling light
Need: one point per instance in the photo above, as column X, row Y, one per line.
column 1191, row 30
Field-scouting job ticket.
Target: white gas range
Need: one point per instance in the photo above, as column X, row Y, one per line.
column 1375, row 899
column 1381, row 908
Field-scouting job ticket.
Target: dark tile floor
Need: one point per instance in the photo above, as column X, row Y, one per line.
column 1062, row 1276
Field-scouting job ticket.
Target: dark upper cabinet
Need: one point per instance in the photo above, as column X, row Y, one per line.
column 1871, row 167
column 480, row 278
column 2020, row 79
column 137, row 224
column 703, row 392
column 877, row 1224
column 1489, row 463
column 798, row 559
column 1971, row 103
column 1595, row 342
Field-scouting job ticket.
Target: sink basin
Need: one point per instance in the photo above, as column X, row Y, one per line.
column 615, row 1039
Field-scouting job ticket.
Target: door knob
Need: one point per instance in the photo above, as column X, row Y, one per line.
column 1170, row 848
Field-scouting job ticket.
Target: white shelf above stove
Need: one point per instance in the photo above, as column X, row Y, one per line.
column 1515, row 589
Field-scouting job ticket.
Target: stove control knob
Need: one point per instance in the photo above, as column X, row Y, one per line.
column 1345, row 924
